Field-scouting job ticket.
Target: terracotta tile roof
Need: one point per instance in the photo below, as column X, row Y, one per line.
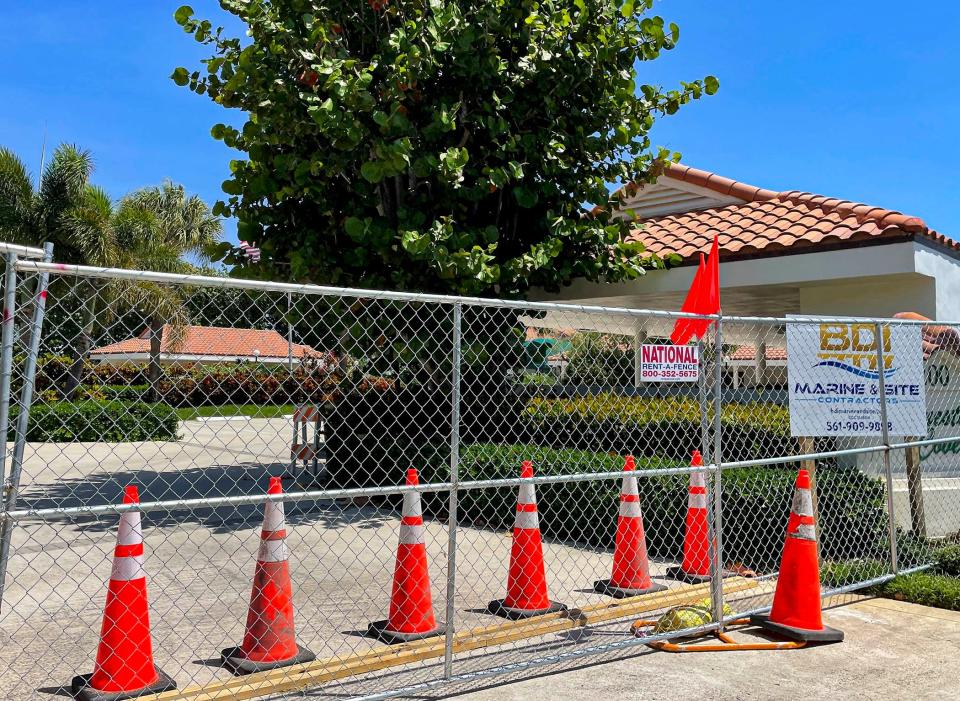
column 771, row 223
column 213, row 340
column 750, row 352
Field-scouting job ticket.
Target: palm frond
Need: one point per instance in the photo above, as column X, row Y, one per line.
column 185, row 222
column 17, row 217
column 88, row 227
column 64, row 182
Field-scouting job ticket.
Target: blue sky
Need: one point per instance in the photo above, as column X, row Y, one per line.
column 854, row 99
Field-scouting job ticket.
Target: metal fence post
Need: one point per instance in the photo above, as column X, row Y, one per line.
column 716, row 565
column 885, row 433
column 6, row 372
column 6, row 353
column 12, row 484
column 454, row 481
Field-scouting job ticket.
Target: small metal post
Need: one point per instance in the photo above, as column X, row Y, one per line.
column 639, row 338
column 454, row 481
column 6, row 354
column 885, row 433
column 716, row 579
column 918, row 519
column 704, row 405
column 289, row 332
column 6, row 372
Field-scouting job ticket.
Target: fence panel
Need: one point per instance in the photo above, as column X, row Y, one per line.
column 198, row 390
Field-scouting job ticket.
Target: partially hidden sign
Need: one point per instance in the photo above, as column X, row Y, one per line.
column 669, row 363
column 834, row 379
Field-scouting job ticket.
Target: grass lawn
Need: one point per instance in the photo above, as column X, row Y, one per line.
column 252, row 410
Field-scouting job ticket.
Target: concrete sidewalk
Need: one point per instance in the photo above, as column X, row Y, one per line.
column 893, row 650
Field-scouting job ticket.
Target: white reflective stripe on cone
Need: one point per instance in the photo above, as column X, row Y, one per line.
column 697, row 480
column 412, row 534
column 631, row 509
column 129, row 532
column 802, row 502
column 273, row 516
column 804, row 532
column 273, row 551
column 527, row 494
column 527, row 519
column 629, row 486
column 696, row 501
column 126, row 569
column 411, row 504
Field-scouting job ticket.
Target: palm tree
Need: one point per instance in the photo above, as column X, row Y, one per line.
column 32, row 216
column 108, row 234
column 78, row 218
column 151, row 229
column 183, row 226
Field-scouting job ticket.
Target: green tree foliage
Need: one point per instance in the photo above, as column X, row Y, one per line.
column 431, row 145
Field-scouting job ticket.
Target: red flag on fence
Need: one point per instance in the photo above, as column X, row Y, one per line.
column 702, row 298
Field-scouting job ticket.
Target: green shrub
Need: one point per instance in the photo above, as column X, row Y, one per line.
column 651, row 426
column 926, row 589
column 839, row 574
column 600, row 359
column 756, row 504
column 947, row 559
column 124, row 393
column 93, row 420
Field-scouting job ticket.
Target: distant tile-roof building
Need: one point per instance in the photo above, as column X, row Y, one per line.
column 207, row 344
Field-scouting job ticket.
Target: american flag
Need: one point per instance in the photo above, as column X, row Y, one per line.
column 252, row 253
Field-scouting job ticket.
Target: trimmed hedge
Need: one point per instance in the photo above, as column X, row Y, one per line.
column 756, row 504
column 653, row 427
column 95, row 420
column 926, row 589
column 124, row 393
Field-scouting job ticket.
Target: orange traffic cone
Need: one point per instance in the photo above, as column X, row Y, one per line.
column 124, row 668
column 696, row 541
column 631, row 569
column 796, row 603
column 411, row 607
column 526, row 579
column 269, row 641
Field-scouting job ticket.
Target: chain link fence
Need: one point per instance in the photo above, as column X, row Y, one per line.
column 198, row 390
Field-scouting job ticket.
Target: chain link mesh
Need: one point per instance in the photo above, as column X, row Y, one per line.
column 199, row 391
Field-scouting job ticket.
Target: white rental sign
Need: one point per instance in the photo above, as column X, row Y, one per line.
column 834, row 383
column 668, row 363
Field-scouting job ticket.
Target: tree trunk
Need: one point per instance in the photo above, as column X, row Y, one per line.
column 82, row 343
column 153, row 374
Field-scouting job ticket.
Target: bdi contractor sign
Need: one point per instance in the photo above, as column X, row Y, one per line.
column 834, row 381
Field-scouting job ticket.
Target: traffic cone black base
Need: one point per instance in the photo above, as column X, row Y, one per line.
column 379, row 631
column 81, row 690
column 234, row 659
column 602, row 586
column 688, row 577
column 498, row 609
column 826, row 635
